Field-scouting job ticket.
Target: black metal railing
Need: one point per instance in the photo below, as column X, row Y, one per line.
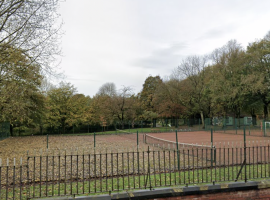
column 65, row 173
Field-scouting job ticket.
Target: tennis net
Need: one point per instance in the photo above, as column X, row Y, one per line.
column 201, row 151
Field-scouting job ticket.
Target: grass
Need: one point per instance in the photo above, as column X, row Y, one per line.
column 105, row 185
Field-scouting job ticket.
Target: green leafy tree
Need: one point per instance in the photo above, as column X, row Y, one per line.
column 60, row 102
column 150, row 86
column 21, row 101
column 229, row 69
column 191, row 74
column 258, row 79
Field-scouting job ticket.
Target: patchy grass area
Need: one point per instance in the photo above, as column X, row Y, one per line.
column 17, row 147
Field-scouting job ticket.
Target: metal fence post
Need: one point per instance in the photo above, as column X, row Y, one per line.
column 211, row 147
column 94, row 139
column 245, row 154
column 47, row 141
column 137, row 138
column 178, row 161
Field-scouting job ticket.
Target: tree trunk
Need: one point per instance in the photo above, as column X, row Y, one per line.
column 123, row 125
column 41, row 130
column 265, row 110
column 11, row 130
column 202, row 118
column 254, row 120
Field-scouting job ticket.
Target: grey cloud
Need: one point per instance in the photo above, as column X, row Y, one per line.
column 163, row 58
column 218, row 32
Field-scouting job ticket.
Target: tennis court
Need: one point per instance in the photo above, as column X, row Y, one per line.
column 227, row 148
column 204, row 138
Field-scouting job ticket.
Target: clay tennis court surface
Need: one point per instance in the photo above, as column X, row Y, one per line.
column 204, row 137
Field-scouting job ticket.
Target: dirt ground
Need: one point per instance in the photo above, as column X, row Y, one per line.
column 17, row 147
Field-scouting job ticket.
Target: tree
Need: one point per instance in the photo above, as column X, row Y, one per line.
column 21, row 101
column 61, row 110
column 108, row 89
column 150, row 86
column 191, row 72
column 258, row 57
column 229, row 69
column 121, row 104
column 32, row 26
column 166, row 100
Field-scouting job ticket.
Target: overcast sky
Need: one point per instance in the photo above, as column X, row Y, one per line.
column 125, row 41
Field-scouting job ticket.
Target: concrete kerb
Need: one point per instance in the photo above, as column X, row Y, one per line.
column 174, row 191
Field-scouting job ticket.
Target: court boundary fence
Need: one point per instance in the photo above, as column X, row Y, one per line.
column 70, row 174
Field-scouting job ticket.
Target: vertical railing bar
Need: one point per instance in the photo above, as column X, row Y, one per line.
column 77, row 172
column 117, row 170
column 106, row 162
column 241, row 159
column 144, row 180
column 95, row 170
column 83, row 183
column 174, row 165
column 65, row 178
column 46, row 191
column 159, row 168
column 14, row 174
column 169, row 167
column 249, row 162
column 100, row 171
column 257, row 161
column 193, row 166
column 184, row 154
column 245, row 154
column 89, row 172
column 7, row 179
column 34, row 175
column 188, row 167
column 243, row 151
column 133, row 169
column 208, row 167
column 53, row 174
column 128, row 169
column 228, row 163
column 155, row 181
column 40, row 174
column 59, row 172
column 268, row 155
column 28, row 180
column 164, row 166
column 20, row 179
column 202, row 164
column 253, row 173
column 264, row 161
column 144, row 173
column 261, row 157
column 112, row 170
column 198, row 171
column 220, row 162
column 224, row 163
column 233, row 164
column 236, row 160
column 71, row 173
column 123, row 175
column 138, row 165
column 148, row 152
